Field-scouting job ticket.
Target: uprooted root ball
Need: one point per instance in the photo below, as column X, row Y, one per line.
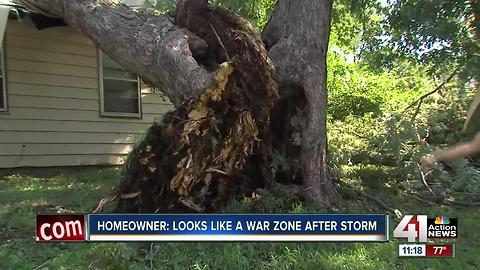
column 215, row 144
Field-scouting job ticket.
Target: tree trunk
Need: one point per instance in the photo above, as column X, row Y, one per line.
column 219, row 132
column 297, row 35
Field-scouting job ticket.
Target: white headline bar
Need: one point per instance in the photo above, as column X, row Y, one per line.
column 236, row 237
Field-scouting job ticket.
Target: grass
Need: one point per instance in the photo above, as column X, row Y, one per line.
column 25, row 192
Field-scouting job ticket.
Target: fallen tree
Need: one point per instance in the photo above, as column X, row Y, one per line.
column 216, row 70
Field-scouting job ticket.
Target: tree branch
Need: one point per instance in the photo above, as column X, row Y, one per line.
column 381, row 203
column 151, row 46
column 421, row 98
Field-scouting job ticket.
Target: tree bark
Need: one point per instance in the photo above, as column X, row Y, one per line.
column 151, row 46
column 166, row 55
column 297, row 35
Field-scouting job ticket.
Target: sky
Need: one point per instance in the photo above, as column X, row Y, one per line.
column 383, row 2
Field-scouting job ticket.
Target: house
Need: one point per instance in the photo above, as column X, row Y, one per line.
column 65, row 103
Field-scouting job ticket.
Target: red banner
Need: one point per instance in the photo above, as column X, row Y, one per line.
column 64, row 228
column 440, row 250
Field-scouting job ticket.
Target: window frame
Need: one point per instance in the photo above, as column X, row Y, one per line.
column 103, row 113
column 4, row 94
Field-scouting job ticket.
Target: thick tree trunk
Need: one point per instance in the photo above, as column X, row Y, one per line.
column 181, row 62
column 151, row 46
column 297, row 35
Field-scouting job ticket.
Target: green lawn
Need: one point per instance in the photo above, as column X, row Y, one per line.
column 25, row 192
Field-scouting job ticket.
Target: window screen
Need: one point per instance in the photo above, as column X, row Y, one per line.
column 120, row 89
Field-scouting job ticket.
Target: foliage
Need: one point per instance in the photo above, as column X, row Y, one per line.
column 256, row 11
column 383, row 58
column 355, row 25
column 441, row 33
column 355, row 90
column 391, row 138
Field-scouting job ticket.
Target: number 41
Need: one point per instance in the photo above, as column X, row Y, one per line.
column 411, row 232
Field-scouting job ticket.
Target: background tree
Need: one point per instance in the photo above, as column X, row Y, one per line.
column 440, row 34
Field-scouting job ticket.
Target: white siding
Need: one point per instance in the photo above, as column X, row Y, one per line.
column 53, row 116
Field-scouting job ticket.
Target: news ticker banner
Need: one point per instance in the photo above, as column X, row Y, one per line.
column 426, row 250
column 213, row 227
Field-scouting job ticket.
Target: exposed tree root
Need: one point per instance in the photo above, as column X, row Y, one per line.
column 216, row 143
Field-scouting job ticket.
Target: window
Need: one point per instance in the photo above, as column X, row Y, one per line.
column 119, row 89
column 3, row 81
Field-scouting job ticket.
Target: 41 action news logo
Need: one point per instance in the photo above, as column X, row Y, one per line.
column 421, row 228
